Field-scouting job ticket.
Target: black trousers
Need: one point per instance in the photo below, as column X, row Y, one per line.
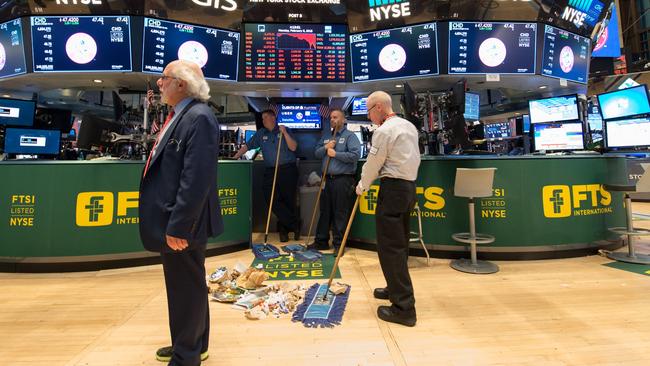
column 284, row 200
column 187, row 304
column 394, row 205
column 336, row 202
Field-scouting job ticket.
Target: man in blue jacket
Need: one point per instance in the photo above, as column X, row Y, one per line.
column 179, row 207
column 337, row 198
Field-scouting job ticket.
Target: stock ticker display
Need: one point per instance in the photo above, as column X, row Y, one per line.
column 565, row 55
column 214, row 50
column 492, row 48
column 394, row 53
column 12, row 53
column 294, row 52
column 81, row 43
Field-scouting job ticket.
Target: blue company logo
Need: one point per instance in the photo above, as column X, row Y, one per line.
column 373, row 3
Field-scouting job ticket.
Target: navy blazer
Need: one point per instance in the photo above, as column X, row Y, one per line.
column 178, row 196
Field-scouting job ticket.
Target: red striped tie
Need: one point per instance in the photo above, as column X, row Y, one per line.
column 169, row 118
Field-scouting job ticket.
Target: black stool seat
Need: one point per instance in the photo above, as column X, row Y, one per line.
column 620, row 187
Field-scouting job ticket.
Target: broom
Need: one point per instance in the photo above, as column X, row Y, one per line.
column 320, row 308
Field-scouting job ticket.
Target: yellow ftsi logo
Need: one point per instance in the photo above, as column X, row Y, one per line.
column 577, row 200
column 98, row 208
column 433, row 200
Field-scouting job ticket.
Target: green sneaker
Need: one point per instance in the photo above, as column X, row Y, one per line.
column 164, row 354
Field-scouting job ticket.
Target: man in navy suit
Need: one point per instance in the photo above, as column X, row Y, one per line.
column 179, row 207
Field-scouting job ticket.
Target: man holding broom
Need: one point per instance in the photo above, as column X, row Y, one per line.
column 395, row 159
column 342, row 150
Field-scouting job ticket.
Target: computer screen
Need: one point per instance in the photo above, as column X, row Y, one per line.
column 53, row 119
column 498, row 130
column 628, row 132
column 526, row 123
column 12, row 51
column 16, row 112
column 248, row 135
column 492, row 48
column 300, row 116
column 554, row 109
column 294, row 52
column 565, row 55
column 95, row 132
column 27, row 141
column 558, row 136
column 394, row 53
column 472, row 105
column 359, row 107
column 214, row 50
column 81, row 43
column 607, row 43
column 624, row 103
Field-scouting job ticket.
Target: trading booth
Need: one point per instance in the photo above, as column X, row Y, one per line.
column 69, row 193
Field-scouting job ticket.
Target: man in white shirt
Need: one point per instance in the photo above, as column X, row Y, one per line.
column 395, row 159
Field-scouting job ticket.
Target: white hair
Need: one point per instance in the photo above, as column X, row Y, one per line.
column 381, row 97
column 191, row 73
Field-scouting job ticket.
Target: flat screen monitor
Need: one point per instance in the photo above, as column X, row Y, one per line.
column 607, row 42
column 499, row 130
column 624, row 103
column 33, row 142
column 594, row 119
column 526, row 123
column 300, row 116
column 248, row 135
column 492, row 48
column 554, row 109
column 558, row 136
column 12, row 51
column 16, row 112
column 95, row 132
column 81, row 43
column 394, row 53
column 359, row 107
column 631, row 132
column 472, row 105
column 565, row 55
column 53, row 119
column 214, row 50
column 294, row 52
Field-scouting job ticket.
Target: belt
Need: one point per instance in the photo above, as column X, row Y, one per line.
column 330, row 176
column 396, row 180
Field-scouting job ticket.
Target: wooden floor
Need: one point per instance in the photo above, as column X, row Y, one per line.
column 550, row 312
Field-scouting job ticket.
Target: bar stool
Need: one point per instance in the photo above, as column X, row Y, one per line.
column 417, row 237
column 631, row 256
column 473, row 183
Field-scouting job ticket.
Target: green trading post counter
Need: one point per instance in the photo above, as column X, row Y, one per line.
column 84, row 215
column 542, row 206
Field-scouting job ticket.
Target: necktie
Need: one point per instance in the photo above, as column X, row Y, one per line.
column 162, row 130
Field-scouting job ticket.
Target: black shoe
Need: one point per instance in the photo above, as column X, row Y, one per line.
column 318, row 246
column 381, row 293
column 284, row 236
column 393, row 315
column 165, row 354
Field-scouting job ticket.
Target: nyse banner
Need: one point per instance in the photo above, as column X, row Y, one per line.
column 561, row 201
column 430, row 200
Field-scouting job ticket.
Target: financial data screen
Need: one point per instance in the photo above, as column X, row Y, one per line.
column 294, row 52
column 81, row 43
column 12, row 51
column 492, row 48
column 565, row 55
column 628, row 132
column 555, row 109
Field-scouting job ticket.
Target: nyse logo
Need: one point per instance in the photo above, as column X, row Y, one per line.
column 99, row 208
column 578, row 200
column 386, row 9
column 227, row 5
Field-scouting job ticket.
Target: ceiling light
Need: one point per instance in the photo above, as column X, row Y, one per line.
column 98, row 81
column 6, row 95
column 399, row 85
column 517, row 113
column 543, row 87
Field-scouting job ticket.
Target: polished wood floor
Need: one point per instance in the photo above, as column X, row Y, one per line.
column 550, row 312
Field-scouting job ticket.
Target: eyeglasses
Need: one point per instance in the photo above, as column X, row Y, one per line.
column 165, row 77
column 369, row 109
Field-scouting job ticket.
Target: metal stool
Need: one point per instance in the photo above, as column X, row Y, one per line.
column 473, row 183
column 417, row 237
column 630, row 230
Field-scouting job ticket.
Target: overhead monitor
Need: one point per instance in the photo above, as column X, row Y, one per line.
column 12, row 51
column 34, row 142
column 472, row 105
column 359, row 107
column 17, row 112
column 499, row 130
column 558, row 136
column 624, row 103
column 81, row 43
column 554, row 109
column 565, row 55
column 633, row 132
column 300, row 116
column 294, row 52
column 492, row 48
column 607, row 42
column 394, row 53
column 214, row 50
